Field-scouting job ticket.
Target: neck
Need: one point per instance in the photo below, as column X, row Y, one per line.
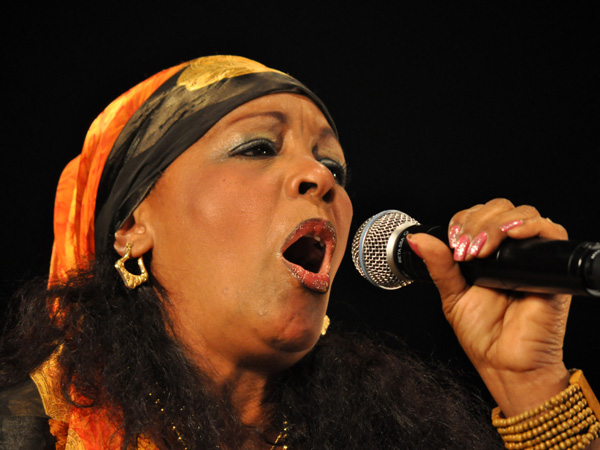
column 245, row 385
column 247, row 390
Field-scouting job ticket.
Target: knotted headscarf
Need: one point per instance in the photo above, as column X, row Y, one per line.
column 136, row 138
column 125, row 151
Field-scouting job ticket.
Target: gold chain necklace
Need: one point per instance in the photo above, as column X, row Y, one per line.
column 278, row 442
column 173, row 427
column 283, row 435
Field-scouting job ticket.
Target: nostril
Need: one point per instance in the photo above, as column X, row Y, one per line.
column 305, row 187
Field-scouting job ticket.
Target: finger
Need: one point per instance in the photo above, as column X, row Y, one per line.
column 457, row 222
column 486, row 228
column 444, row 271
column 482, row 228
column 534, row 226
column 471, row 221
column 521, row 223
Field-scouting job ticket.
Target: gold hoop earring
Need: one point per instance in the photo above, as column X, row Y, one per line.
column 326, row 323
column 131, row 280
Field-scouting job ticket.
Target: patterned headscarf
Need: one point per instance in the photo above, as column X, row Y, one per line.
column 136, row 138
column 126, row 149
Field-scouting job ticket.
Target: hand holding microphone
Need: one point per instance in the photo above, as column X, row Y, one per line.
column 515, row 341
column 382, row 255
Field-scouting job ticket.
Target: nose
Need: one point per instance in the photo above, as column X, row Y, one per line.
column 310, row 179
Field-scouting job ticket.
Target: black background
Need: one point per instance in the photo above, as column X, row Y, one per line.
column 439, row 106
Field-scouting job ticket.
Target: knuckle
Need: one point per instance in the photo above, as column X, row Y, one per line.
column 460, row 216
column 563, row 231
column 501, row 203
column 456, row 219
column 528, row 211
column 560, row 231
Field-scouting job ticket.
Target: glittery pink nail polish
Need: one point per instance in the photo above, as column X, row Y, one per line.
column 452, row 236
column 477, row 243
column 460, row 252
column 509, row 225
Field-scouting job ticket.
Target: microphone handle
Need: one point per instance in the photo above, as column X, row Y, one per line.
column 531, row 265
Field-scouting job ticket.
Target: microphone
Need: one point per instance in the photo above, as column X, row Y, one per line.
column 382, row 255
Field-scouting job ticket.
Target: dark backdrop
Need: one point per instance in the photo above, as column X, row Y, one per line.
column 439, row 106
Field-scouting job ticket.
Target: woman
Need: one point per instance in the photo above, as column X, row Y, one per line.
column 225, row 179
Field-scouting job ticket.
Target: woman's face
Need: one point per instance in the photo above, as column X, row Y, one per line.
column 249, row 226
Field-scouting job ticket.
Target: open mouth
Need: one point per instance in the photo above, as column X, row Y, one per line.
column 308, row 251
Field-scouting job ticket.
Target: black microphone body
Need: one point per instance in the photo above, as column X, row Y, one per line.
column 530, row 265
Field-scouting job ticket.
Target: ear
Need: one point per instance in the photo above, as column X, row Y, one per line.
column 135, row 231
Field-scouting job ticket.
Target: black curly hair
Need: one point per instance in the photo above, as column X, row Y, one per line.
column 351, row 391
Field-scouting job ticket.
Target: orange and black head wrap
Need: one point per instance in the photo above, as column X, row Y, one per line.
column 136, row 138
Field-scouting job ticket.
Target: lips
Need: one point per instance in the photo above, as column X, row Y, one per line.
column 307, row 253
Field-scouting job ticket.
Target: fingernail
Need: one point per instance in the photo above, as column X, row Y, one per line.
column 452, row 236
column 477, row 243
column 413, row 246
column 460, row 252
column 510, row 225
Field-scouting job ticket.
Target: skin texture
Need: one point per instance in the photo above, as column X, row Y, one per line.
column 216, row 223
column 515, row 342
column 218, row 218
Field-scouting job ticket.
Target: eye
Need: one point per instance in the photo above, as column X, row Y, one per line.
column 260, row 148
column 337, row 169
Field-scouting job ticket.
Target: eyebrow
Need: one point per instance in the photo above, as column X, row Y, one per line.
column 325, row 132
column 275, row 114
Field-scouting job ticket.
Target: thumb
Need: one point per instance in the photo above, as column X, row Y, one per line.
column 444, row 271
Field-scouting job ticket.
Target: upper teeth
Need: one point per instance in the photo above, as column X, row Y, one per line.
column 319, row 242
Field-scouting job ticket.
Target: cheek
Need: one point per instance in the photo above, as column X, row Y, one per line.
column 215, row 197
column 343, row 215
column 227, row 214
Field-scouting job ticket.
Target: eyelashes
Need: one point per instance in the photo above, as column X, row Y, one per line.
column 260, row 148
column 337, row 169
column 264, row 148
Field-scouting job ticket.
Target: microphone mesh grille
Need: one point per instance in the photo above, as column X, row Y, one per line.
column 369, row 248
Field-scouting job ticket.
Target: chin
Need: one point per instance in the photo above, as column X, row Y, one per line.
column 281, row 350
column 297, row 341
